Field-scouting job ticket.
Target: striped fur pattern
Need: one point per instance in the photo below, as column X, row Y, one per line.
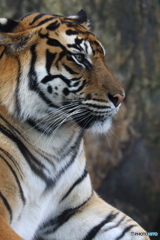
column 54, row 85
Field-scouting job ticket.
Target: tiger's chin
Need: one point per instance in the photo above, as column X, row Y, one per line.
column 100, row 127
column 96, row 126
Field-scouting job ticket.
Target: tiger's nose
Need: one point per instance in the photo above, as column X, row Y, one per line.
column 116, row 99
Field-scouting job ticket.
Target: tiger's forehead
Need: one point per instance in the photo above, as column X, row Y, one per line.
column 85, row 43
column 76, row 37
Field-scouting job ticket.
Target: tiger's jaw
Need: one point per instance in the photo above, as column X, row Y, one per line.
column 94, row 124
column 95, row 118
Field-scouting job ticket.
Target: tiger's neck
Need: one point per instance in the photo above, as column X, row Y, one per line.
column 47, row 156
column 61, row 140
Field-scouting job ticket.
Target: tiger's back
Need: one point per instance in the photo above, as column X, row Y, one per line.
column 54, row 85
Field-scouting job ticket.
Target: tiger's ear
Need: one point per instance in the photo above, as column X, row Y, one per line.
column 7, row 25
column 14, row 41
column 82, row 18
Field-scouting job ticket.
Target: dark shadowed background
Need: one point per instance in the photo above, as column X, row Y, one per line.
column 124, row 163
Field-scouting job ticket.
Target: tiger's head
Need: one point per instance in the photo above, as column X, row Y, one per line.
column 52, row 69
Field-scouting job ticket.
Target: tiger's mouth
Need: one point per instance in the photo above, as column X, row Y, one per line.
column 89, row 119
column 89, row 115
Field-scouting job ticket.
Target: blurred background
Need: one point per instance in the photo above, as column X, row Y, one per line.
column 124, row 163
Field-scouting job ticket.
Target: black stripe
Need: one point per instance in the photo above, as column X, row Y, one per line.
column 37, row 17
column 100, row 50
column 93, row 232
column 14, row 130
column 69, row 69
column 79, row 41
column 36, row 166
column 36, row 126
column 45, row 21
column 18, row 102
column 32, row 74
column 1, row 55
column 125, row 231
column 17, row 180
column 25, row 152
column 45, row 99
column 5, row 202
column 74, row 46
column 118, row 223
column 50, row 57
column 76, row 148
column 42, row 127
column 96, row 43
column 87, row 64
column 87, row 120
column 14, row 161
column 94, row 52
column 72, row 159
column 75, row 84
column 61, row 55
column 27, row 15
column 86, row 47
column 33, row 84
column 79, row 180
column 49, row 78
column 74, row 25
column 92, row 45
column 71, row 149
column 53, row 224
column 99, row 100
column 80, row 87
column 53, row 26
column 71, row 32
column 41, row 35
column 95, row 106
column 55, row 43
column 64, row 150
column 76, row 79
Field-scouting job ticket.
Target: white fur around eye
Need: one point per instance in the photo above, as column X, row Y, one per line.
column 3, row 21
column 79, row 63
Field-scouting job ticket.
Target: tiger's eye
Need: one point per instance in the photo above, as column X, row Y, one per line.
column 79, row 57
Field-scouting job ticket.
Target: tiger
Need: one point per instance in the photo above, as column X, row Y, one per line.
column 54, row 88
